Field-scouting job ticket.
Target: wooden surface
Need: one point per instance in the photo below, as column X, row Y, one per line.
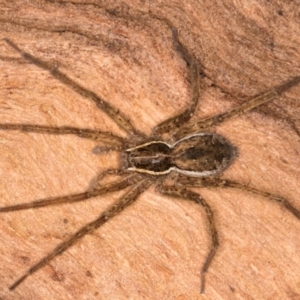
column 122, row 50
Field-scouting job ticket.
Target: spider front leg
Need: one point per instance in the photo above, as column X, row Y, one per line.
column 180, row 192
column 111, row 111
column 115, row 141
column 224, row 183
column 177, row 121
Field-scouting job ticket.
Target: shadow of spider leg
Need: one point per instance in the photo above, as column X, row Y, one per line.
column 138, row 184
column 224, row 183
column 183, row 193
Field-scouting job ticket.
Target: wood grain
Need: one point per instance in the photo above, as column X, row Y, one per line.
column 122, row 50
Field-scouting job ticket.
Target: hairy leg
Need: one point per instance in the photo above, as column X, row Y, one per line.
column 177, row 121
column 179, row 192
column 96, row 182
column 95, row 135
column 111, row 111
column 109, row 213
column 90, row 193
column 209, row 122
column 224, row 183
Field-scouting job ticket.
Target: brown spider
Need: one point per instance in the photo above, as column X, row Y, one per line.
column 196, row 156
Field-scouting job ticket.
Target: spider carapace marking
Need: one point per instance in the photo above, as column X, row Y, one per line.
column 197, row 156
column 201, row 154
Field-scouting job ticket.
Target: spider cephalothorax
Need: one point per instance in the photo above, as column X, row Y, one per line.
column 198, row 156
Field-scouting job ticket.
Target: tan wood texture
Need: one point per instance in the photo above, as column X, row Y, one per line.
column 122, row 50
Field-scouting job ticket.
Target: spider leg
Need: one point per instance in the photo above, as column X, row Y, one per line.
column 180, row 192
column 96, row 181
column 224, row 183
column 109, row 213
column 175, row 122
column 95, row 135
column 240, row 109
column 90, row 193
column 111, row 111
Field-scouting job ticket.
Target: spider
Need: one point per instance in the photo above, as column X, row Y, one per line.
column 192, row 157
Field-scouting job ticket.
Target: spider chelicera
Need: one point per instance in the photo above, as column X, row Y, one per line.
column 196, row 157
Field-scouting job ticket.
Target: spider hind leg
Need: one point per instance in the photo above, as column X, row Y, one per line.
column 138, row 188
column 183, row 193
column 224, row 183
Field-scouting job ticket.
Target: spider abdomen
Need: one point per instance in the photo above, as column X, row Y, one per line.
column 201, row 154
